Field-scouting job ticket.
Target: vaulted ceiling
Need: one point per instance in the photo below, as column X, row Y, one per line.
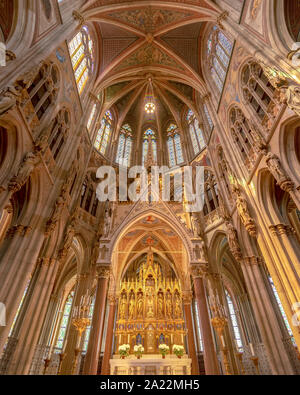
column 153, row 39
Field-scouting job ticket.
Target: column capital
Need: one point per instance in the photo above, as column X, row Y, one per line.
column 78, row 17
column 103, row 271
column 112, row 299
column 187, row 297
column 199, row 270
column 253, row 260
column 281, row 230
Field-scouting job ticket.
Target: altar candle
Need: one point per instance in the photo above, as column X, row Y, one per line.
column 252, row 349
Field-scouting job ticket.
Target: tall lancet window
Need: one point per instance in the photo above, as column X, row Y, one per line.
column 91, row 118
column 174, row 145
column 196, row 132
column 149, row 138
column 65, row 321
column 124, row 146
column 104, row 133
column 81, row 52
column 219, row 50
column 234, row 321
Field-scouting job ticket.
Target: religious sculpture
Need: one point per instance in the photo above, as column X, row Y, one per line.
column 123, row 306
column 29, row 163
column 278, row 172
column 160, row 305
column 140, row 304
column 131, row 307
column 177, row 308
column 107, row 223
column 243, row 211
column 233, row 240
column 150, row 295
column 9, row 97
column 149, row 304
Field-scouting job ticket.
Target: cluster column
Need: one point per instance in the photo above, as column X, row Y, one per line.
column 93, row 352
column 109, row 337
column 210, row 357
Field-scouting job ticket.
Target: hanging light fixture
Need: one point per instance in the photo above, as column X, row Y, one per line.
column 150, row 106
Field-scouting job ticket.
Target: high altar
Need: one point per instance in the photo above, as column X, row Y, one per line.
column 150, row 313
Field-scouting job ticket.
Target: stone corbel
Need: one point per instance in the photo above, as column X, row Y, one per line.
column 10, row 56
column 222, row 17
column 78, row 17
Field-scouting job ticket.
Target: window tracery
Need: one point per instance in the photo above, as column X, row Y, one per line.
column 149, row 138
column 124, row 146
column 104, row 133
column 43, row 90
column 82, row 56
column 259, row 93
column 196, row 132
column 174, row 145
column 219, row 49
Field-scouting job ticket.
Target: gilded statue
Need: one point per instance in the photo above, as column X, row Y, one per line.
column 140, row 305
column 177, row 308
column 150, row 304
column 169, row 305
column 29, row 163
column 123, row 306
column 131, row 307
column 160, row 305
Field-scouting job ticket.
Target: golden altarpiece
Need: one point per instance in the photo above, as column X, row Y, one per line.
column 150, row 306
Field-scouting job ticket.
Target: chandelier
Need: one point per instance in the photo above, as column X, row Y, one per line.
column 150, row 106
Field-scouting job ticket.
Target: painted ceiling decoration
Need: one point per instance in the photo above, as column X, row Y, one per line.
column 149, row 55
column 149, row 19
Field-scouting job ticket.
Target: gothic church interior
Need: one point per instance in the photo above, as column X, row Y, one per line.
column 146, row 287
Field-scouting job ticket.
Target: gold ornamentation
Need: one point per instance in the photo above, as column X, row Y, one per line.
column 255, row 7
column 222, row 17
column 78, row 17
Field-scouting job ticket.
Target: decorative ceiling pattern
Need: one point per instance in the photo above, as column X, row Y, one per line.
column 114, row 47
column 149, row 55
column 149, row 19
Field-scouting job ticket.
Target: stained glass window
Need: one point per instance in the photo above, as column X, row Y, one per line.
column 196, row 133
column 234, row 321
column 104, row 133
column 208, row 117
column 174, row 145
column 219, row 50
column 81, row 52
column 149, row 136
column 281, row 309
column 65, row 321
column 124, row 146
column 88, row 329
column 92, row 117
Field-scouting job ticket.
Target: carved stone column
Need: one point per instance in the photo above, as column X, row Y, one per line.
column 81, row 288
column 18, row 255
column 105, row 370
column 210, row 357
column 95, row 341
column 187, row 301
column 265, row 316
column 32, row 322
